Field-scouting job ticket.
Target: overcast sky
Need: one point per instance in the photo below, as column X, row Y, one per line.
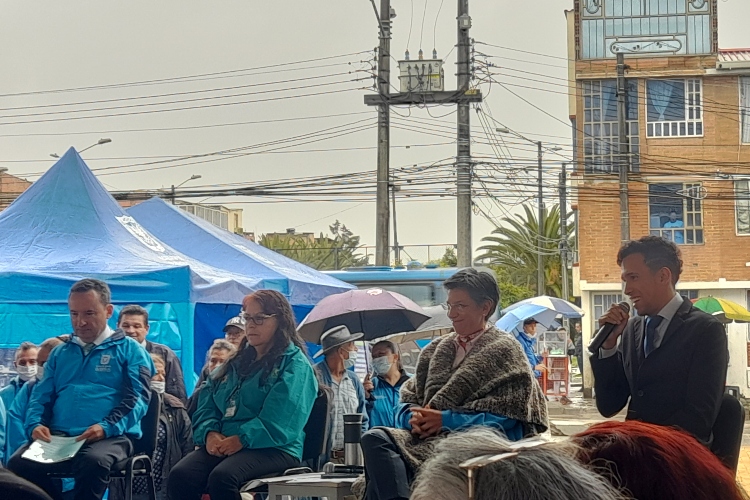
column 53, row 45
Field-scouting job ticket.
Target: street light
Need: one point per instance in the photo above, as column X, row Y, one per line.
column 192, row 178
column 97, row 143
column 540, row 224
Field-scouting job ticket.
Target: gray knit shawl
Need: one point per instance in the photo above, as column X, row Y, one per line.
column 495, row 377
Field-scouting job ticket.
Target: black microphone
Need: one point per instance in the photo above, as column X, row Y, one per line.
column 601, row 336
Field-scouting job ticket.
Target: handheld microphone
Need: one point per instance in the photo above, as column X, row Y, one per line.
column 604, row 332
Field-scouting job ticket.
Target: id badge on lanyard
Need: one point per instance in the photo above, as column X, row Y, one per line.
column 232, row 406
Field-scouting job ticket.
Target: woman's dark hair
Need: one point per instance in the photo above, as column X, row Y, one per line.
column 394, row 350
column 243, row 361
column 480, row 285
column 657, row 253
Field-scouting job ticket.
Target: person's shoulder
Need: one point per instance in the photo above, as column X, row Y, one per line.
column 700, row 319
column 162, row 349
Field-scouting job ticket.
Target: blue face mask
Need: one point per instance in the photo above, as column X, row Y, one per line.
column 381, row 365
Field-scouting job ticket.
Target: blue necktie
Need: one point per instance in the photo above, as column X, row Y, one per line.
column 652, row 323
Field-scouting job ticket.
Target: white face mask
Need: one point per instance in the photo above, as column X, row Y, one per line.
column 381, row 365
column 351, row 360
column 158, row 386
column 26, row 372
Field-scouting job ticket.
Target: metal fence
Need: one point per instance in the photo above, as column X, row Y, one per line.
column 336, row 258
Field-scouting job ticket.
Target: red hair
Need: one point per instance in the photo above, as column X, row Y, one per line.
column 656, row 462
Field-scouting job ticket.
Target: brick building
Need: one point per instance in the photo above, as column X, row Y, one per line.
column 10, row 187
column 688, row 115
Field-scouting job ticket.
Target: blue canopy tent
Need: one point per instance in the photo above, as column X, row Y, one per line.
column 66, row 227
column 201, row 240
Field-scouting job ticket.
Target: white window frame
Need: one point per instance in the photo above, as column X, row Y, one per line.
column 740, row 197
column 744, row 82
column 669, row 233
column 691, row 110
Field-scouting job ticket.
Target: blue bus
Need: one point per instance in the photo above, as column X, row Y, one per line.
column 423, row 285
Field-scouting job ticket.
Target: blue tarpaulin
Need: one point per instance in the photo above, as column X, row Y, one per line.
column 201, row 240
column 66, row 227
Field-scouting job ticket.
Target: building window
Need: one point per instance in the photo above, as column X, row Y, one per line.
column 676, row 212
column 602, row 303
column 600, row 128
column 674, row 108
column 689, row 294
column 742, row 205
column 745, row 108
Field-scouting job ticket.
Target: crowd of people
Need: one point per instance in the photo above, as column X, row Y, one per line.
column 467, row 424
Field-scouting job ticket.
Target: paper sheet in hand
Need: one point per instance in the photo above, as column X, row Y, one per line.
column 59, row 449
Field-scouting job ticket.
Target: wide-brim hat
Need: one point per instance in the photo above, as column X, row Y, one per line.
column 336, row 337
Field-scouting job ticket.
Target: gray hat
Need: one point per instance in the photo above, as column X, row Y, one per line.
column 237, row 322
column 336, row 337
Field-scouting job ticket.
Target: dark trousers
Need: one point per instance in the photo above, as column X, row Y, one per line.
column 90, row 468
column 387, row 474
column 222, row 477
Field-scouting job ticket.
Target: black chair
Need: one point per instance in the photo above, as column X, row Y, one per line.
column 317, row 431
column 727, row 431
column 138, row 465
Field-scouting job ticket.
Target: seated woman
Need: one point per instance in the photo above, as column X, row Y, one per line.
column 476, row 375
column 174, row 440
column 539, row 472
column 218, row 353
column 252, row 412
column 653, row 462
column 383, row 390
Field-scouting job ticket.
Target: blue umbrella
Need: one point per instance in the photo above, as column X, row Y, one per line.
column 559, row 306
column 512, row 319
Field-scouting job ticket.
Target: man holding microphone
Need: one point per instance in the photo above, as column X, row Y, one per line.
column 671, row 359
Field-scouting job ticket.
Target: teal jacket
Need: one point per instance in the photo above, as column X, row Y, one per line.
column 267, row 414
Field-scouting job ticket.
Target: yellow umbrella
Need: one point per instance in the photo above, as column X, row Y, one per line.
column 724, row 310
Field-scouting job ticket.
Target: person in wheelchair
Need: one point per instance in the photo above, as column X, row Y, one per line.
column 253, row 409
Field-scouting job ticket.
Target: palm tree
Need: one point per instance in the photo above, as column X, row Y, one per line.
column 512, row 247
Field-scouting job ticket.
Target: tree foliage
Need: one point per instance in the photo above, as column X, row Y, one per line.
column 337, row 251
column 512, row 250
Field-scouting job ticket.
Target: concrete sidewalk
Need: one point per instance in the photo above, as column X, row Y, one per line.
column 743, row 468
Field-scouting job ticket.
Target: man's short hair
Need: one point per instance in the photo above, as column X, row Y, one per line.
column 98, row 286
column 480, row 285
column 133, row 310
column 25, row 346
column 657, row 253
column 53, row 342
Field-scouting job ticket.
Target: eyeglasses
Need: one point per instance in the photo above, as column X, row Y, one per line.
column 257, row 320
column 457, row 307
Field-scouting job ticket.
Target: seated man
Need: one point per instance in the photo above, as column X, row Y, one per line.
column 25, row 365
column 349, row 394
column 15, row 434
column 476, row 375
column 95, row 387
column 133, row 320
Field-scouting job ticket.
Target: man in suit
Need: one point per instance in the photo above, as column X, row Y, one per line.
column 133, row 320
column 671, row 361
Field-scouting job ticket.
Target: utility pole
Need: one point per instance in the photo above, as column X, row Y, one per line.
column 463, row 154
column 564, row 230
column 382, row 216
column 396, row 249
column 540, row 225
column 462, row 97
column 623, row 148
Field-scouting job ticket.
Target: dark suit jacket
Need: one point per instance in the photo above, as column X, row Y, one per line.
column 175, row 384
column 680, row 384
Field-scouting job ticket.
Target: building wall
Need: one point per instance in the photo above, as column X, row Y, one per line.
column 10, row 188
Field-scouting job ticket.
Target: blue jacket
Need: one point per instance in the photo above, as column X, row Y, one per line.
column 8, row 393
column 456, row 421
column 528, row 343
column 110, row 386
column 15, row 435
column 3, row 424
column 383, row 402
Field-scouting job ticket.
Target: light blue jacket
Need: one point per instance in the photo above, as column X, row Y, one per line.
column 527, row 343
column 110, row 386
column 8, row 393
column 15, row 434
column 457, row 421
column 3, row 434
